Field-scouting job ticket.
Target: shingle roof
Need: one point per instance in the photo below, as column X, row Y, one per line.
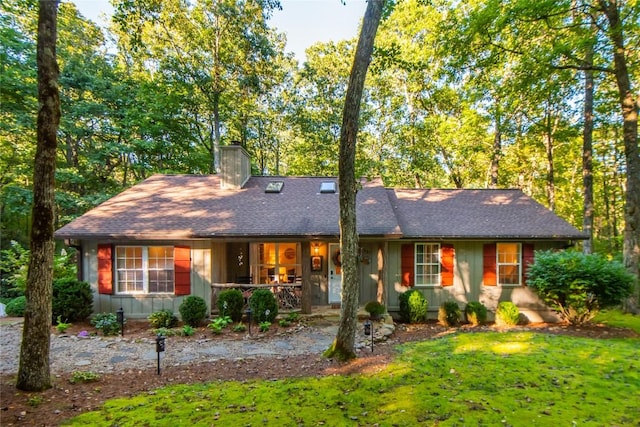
column 486, row 213
column 194, row 206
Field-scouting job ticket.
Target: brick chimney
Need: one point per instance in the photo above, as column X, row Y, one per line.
column 235, row 166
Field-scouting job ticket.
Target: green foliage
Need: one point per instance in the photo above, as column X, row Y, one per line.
column 14, row 263
column 413, row 306
column 188, row 331
column 284, row 323
column 230, row 303
column 239, row 327
column 219, row 323
column 618, row 319
column 374, row 308
column 577, row 286
column 107, row 323
column 264, row 306
column 84, row 377
column 264, row 326
column 163, row 319
column 193, row 310
column 507, row 313
column 476, row 312
column 61, row 326
column 166, row 332
column 293, row 317
column 449, row 313
column 531, row 378
column 72, row 300
column 16, row 307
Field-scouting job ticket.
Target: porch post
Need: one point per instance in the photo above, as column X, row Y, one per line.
column 380, row 296
column 306, row 277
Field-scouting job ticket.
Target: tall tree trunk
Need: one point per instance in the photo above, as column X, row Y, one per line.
column 343, row 346
column 629, row 106
column 497, row 152
column 34, row 371
column 587, row 153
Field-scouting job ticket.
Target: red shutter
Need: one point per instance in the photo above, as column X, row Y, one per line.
column 182, row 269
column 527, row 260
column 489, row 265
column 447, row 253
column 105, row 270
column 407, row 265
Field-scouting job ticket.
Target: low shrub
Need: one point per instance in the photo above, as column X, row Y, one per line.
column 193, row 310
column 83, row 377
column 293, row 317
column 449, row 313
column 61, row 326
column 476, row 313
column 219, row 323
column 16, row 307
column 264, row 326
column 188, row 331
column 239, row 327
column 507, row 313
column 413, row 306
column 72, row 300
column 163, row 319
column 230, row 303
column 263, row 306
column 107, row 323
column 166, row 332
column 576, row 285
column 284, row 323
column 375, row 309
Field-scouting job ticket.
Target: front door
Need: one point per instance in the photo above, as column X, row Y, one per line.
column 335, row 274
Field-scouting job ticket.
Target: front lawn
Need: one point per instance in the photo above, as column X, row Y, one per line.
column 618, row 319
column 462, row 379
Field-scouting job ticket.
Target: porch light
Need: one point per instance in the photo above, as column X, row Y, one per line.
column 120, row 317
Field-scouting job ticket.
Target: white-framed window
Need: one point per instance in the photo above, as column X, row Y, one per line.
column 278, row 263
column 427, row 264
column 508, row 263
column 144, row 269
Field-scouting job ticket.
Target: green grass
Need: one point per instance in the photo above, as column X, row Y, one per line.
column 466, row 379
column 618, row 319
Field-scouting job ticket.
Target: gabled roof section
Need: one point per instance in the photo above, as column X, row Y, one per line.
column 194, row 206
column 479, row 214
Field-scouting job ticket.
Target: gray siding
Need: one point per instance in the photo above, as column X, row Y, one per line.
column 140, row 306
column 468, row 285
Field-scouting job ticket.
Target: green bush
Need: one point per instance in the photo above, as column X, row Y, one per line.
column 577, row 286
column 72, row 300
column 449, row 313
column 16, row 307
column 476, row 313
column 193, row 310
column 163, row 319
column 263, row 306
column 107, row 323
column 374, row 308
column 413, row 306
column 230, row 303
column 507, row 313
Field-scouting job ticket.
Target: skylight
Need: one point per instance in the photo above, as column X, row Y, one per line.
column 328, row 187
column 274, row 187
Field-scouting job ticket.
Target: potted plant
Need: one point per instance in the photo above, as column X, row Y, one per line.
column 375, row 309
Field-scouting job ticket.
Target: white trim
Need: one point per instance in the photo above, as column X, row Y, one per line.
column 519, row 264
column 145, row 271
column 415, row 265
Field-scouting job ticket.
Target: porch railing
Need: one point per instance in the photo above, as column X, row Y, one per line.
column 288, row 295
